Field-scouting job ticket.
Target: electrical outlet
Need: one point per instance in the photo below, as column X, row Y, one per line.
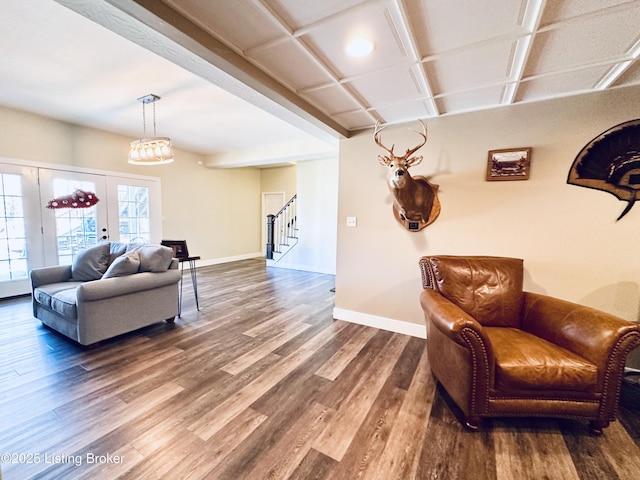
column 351, row 221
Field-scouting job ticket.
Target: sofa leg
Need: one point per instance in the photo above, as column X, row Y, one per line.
column 170, row 320
column 596, row 427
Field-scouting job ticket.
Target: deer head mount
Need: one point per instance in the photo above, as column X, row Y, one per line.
column 415, row 199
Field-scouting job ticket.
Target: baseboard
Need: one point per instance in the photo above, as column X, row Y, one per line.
column 383, row 323
column 298, row 266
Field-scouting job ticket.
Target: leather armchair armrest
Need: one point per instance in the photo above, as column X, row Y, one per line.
column 47, row 275
column 466, row 367
column 590, row 333
column 447, row 317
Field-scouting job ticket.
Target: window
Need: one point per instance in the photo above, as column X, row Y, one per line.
column 133, row 214
column 13, row 242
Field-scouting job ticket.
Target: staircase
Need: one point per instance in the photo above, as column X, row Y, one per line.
column 282, row 232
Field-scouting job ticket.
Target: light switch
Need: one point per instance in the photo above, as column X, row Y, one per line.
column 351, row 221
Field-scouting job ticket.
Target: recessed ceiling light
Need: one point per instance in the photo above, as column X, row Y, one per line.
column 359, row 47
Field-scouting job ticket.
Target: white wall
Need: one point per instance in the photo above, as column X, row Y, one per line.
column 317, row 183
column 567, row 235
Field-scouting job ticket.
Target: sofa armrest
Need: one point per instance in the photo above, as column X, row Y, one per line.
column 46, row 275
column 116, row 286
column 447, row 317
column 590, row 333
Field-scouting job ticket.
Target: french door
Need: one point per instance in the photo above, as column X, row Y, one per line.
column 20, row 240
column 32, row 235
column 68, row 230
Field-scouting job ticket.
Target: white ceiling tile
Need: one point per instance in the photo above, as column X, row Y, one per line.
column 567, row 83
column 488, row 97
column 470, row 68
column 241, row 24
column 440, row 26
column 332, row 100
column 593, row 39
column 355, row 120
column 559, row 10
column 388, row 87
column 289, row 63
column 298, row 14
column 404, row 112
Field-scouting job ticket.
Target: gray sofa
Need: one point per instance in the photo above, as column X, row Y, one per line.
column 110, row 289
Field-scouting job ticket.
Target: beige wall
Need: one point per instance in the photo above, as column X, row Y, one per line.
column 572, row 246
column 217, row 211
column 279, row 179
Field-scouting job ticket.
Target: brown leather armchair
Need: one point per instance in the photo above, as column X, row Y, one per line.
column 499, row 351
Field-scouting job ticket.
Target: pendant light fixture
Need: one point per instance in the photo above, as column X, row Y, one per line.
column 150, row 150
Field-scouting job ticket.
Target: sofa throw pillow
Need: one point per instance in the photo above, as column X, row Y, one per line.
column 116, row 249
column 126, row 264
column 153, row 258
column 90, row 263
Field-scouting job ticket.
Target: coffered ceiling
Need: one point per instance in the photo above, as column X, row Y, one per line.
column 287, row 57
column 431, row 57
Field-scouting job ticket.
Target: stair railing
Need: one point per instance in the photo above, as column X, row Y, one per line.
column 281, row 227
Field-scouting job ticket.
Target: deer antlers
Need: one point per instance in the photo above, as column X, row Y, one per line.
column 386, row 160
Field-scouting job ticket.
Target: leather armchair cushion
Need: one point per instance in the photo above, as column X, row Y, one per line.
column 487, row 288
column 526, row 362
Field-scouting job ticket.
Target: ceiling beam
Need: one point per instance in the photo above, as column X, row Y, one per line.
column 175, row 27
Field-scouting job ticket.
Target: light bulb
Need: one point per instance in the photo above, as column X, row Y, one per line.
column 359, row 47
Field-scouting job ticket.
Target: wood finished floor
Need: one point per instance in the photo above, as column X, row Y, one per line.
column 262, row 383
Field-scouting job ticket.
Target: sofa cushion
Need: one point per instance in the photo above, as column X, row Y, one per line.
column 43, row 294
column 64, row 303
column 153, row 258
column 126, row 264
column 90, row 263
column 527, row 362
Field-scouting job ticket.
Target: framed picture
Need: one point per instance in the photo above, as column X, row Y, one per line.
column 509, row 164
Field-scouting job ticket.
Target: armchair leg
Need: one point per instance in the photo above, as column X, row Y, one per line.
column 472, row 423
column 596, row 427
column 170, row 320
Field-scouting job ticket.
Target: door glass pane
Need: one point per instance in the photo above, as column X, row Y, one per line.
column 133, row 214
column 75, row 227
column 13, row 242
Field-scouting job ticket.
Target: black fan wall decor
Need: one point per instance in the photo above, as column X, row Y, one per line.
column 611, row 163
